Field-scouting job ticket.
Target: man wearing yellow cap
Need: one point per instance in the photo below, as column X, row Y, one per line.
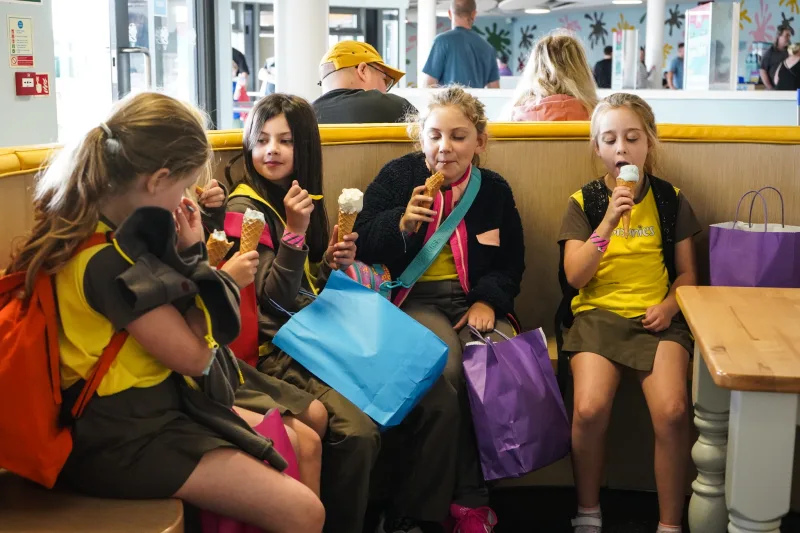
column 355, row 87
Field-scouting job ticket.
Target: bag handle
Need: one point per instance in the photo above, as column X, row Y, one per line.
column 425, row 258
column 486, row 340
column 763, row 202
column 783, row 211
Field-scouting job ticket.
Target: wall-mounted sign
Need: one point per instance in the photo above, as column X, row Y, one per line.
column 20, row 42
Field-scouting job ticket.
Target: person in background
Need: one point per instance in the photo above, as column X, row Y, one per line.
column 643, row 76
column 355, row 85
column 675, row 73
column 502, row 64
column 773, row 57
column 557, row 83
column 602, row 69
column 787, row 77
column 241, row 64
column 461, row 56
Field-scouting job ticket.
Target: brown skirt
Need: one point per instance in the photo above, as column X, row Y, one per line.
column 622, row 340
column 262, row 392
column 136, row 444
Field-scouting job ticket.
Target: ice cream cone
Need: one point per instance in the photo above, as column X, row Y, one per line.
column 346, row 223
column 626, row 216
column 217, row 246
column 253, row 224
column 351, row 202
column 432, row 187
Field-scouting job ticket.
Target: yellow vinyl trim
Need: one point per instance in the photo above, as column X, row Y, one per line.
column 27, row 159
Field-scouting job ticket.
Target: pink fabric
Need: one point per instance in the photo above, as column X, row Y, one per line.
column 233, row 228
column 553, row 108
column 271, row 427
column 443, row 204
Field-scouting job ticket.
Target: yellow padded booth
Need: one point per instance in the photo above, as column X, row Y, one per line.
column 544, row 163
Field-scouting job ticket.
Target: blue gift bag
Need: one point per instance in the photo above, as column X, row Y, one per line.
column 365, row 348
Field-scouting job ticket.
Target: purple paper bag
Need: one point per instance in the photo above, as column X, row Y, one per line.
column 743, row 254
column 520, row 421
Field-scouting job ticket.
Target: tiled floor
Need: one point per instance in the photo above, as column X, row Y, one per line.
column 548, row 510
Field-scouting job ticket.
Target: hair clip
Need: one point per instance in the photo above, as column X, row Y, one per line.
column 112, row 144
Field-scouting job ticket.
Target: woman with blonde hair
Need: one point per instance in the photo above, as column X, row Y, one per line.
column 557, row 83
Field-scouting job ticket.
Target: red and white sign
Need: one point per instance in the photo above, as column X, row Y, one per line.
column 32, row 84
column 42, row 85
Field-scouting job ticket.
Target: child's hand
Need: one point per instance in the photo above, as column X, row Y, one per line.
column 242, row 268
column 188, row 224
column 213, row 196
column 341, row 254
column 621, row 202
column 299, row 206
column 657, row 318
column 417, row 210
column 480, row 316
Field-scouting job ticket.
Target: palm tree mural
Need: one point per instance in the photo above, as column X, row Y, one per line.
column 599, row 31
column 743, row 16
column 786, row 24
column 499, row 39
column 623, row 24
column 675, row 20
column 525, row 45
column 764, row 30
column 791, row 4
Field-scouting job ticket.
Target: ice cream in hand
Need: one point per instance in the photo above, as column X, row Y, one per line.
column 628, row 177
column 351, row 202
column 432, row 186
column 218, row 247
column 253, row 224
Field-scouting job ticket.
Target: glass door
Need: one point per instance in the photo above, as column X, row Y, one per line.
column 148, row 45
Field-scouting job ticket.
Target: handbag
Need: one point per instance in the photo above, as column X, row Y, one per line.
column 520, row 420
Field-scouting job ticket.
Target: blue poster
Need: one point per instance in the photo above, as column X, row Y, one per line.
column 160, row 8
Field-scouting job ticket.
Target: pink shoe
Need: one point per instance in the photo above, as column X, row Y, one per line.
column 466, row 520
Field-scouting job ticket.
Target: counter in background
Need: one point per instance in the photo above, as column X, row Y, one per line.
column 727, row 108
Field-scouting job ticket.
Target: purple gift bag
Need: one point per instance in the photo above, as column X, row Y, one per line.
column 743, row 254
column 520, row 421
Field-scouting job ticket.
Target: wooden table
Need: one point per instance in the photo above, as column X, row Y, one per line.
column 745, row 391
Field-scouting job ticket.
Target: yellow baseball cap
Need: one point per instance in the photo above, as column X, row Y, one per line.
column 346, row 54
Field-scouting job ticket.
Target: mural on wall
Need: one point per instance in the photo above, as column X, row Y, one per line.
column 499, row 38
column 759, row 21
column 743, row 15
column 599, row 31
column 676, row 19
column 525, row 45
column 786, row 24
column 791, row 4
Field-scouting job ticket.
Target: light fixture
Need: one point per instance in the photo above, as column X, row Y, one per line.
column 626, row 2
column 537, row 11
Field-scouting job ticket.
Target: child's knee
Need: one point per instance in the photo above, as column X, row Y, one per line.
column 591, row 411
column 317, row 417
column 294, row 439
column 671, row 415
column 310, row 444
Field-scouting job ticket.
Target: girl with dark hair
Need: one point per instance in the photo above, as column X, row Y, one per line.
column 283, row 164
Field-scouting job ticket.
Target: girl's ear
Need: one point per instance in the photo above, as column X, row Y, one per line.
column 483, row 140
column 155, row 182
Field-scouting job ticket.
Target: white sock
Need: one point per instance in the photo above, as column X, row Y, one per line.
column 588, row 512
column 662, row 528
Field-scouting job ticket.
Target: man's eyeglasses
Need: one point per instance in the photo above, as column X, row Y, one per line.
column 388, row 79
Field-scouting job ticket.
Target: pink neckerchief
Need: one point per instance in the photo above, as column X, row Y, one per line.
column 443, row 204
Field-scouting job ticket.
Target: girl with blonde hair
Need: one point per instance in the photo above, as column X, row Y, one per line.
column 557, row 83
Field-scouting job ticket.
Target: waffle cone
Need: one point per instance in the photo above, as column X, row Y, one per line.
column 346, row 223
column 626, row 217
column 432, row 187
column 217, row 250
column 251, row 233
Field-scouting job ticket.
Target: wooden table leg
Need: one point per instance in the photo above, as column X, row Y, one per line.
column 707, row 510
column 760, row 455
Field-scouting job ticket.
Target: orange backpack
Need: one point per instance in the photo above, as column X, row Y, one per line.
column 34, row 444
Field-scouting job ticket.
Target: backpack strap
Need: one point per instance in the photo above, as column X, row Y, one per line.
column 109, row 352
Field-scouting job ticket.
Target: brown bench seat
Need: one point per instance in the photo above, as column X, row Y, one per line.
column 28, row 508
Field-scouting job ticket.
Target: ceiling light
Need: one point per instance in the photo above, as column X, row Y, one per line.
column 626, row 2
column 537, row 11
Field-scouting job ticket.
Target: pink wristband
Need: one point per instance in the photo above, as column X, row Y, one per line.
column 601, row 243
column 293, row 239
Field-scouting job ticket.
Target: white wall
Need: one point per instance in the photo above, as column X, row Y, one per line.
column 27, row 119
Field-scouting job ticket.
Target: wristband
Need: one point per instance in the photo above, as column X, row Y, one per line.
column 601, row 243
column 293, row 239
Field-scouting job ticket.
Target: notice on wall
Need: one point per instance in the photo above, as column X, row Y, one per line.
column 20, row 42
